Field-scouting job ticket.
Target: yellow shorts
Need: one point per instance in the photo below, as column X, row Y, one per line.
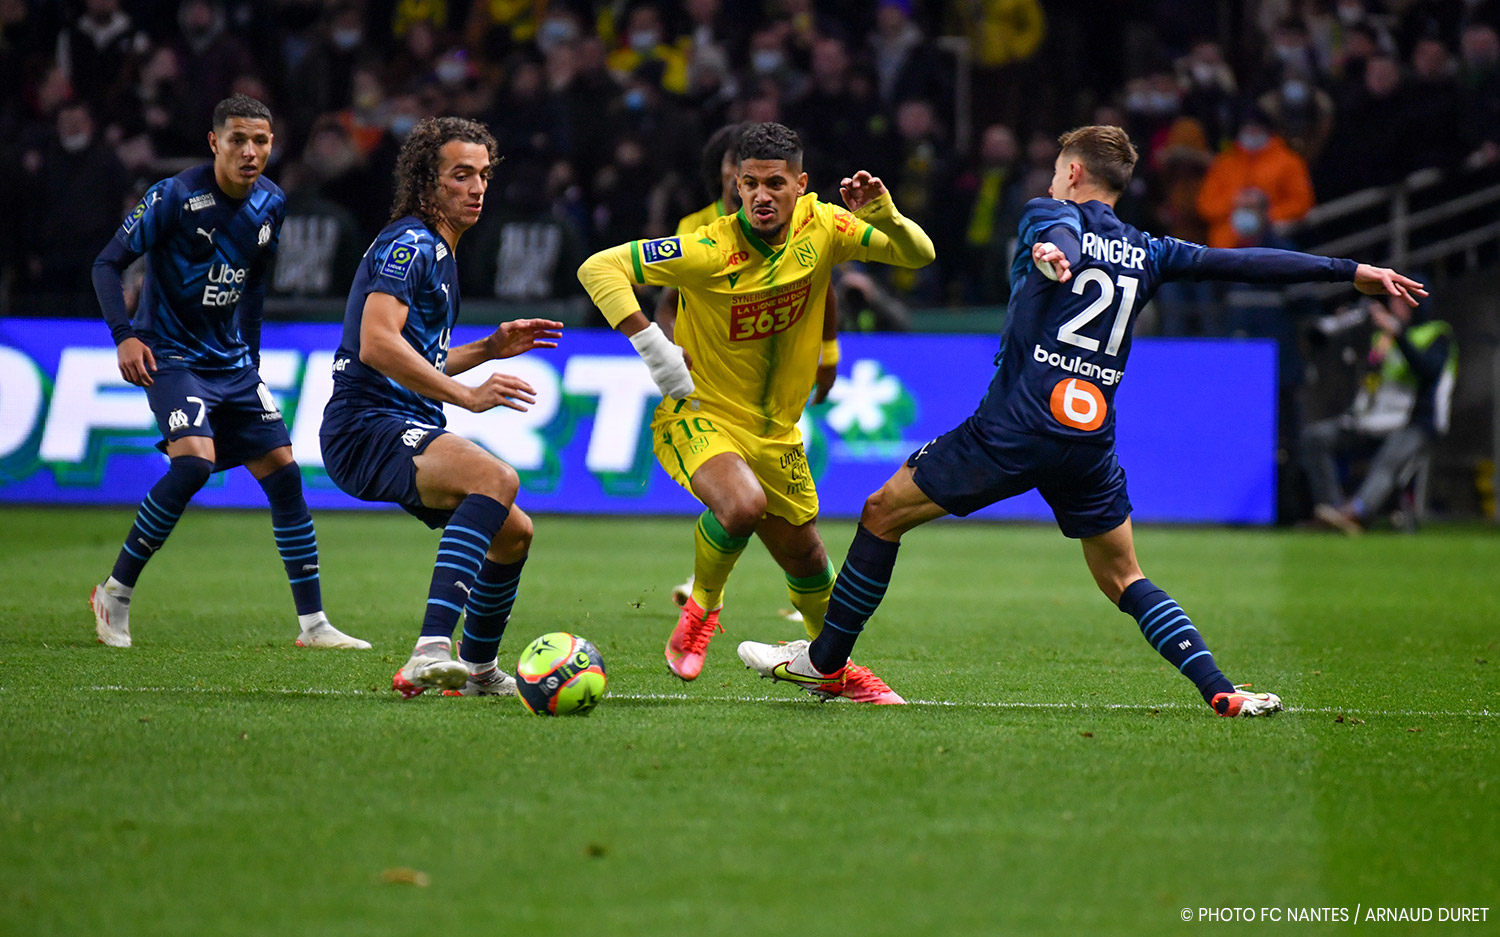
column 685, row 440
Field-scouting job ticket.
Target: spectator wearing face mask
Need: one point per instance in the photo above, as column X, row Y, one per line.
column 1258, row 159
column 1431, row 107
column 644, row 42
column 72, row 191
column 1302, row 111
column 1209, row 91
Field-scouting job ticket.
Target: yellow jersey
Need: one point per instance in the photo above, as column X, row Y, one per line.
column 701, row 217
column 751, row 315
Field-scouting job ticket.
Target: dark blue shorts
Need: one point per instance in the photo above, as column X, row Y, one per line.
column 371, row 456
column 234, row 409
column 967, row 469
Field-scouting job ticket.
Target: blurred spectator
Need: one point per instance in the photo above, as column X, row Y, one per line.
column 155, row 107
column 986, row 246
column 906, row 65
column 96, row 49
column 1353, row 32
column 1211, row 91
column 1258, row 159
column 646, row 42
column 1302, row 113
column 1291, row 51
column 1479, row 96
column 336, row 172
column 1404, row 405
column 833, row 122
column 324, row 76
column 413, row 63
column 522, row 250
column 1182, row 161
column 1430, row 116
column 771, row 67
column 923, row 186
column 209, row 57
column 367, row 115
column 73, row 198
column 1151, row 105
column 1033, row 181
column 620, row 213
column 1368, row 145
column 495, row 29
column 321, row 242
column 527, row 123
column 1256, row 310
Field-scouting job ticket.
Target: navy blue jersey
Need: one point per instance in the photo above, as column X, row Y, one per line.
column 204, row 252
column 411, row 262
column 1063, row 351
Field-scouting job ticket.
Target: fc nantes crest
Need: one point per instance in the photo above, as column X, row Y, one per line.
column 806, row 254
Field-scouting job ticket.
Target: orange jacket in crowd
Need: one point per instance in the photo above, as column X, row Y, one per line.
column 1276, row 170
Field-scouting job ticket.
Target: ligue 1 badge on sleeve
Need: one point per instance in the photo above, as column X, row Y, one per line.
column 265, row 234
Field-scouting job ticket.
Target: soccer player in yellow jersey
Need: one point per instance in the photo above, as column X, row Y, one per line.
column 719, row 168
column 749, row 325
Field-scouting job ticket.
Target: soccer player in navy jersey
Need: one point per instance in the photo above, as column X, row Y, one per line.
column 383, row 437
column 208, row 235
column 1047, row 421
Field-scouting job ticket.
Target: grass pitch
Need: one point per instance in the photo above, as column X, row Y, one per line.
column 1057, row 778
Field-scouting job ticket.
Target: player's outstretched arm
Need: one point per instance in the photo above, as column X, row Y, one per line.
column 606, row 278
column 897, row 240
column 1180, row 260
column 382, row 347
column 512, row 338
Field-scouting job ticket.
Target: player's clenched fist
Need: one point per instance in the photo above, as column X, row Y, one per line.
column 500, row 390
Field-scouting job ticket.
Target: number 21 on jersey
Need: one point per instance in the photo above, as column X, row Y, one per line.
column 1070, row 334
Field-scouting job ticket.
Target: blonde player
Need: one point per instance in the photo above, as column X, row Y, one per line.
column 750, row 320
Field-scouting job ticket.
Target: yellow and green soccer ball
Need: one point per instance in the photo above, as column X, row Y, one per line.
column 560, row 674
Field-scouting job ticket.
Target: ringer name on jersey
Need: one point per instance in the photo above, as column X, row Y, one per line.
column 1118, row 251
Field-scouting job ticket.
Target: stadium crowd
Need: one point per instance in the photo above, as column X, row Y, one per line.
column 601, row 108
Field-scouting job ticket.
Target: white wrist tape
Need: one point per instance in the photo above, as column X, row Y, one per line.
column 664, row 360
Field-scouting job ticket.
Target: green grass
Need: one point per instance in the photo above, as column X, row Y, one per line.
column 216, row 780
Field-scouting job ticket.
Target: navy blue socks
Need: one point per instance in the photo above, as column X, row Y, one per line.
column 857, row 592
column 488, row 610
column 159, row 512
column 1167, row 628
column 460, row 554
column 295, row 539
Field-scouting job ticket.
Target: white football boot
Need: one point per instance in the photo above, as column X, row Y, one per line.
column 431, row 665
column 111, row 616
column 320, row 632
column 1242, row 703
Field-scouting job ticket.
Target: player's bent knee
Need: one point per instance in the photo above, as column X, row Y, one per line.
column 740, row 517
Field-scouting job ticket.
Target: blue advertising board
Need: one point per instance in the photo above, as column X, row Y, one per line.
column 1196, row 424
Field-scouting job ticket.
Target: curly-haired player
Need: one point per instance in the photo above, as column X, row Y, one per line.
column 383, row 436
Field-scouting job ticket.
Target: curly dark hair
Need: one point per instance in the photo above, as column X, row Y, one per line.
column 771, row 141
column 417, row 163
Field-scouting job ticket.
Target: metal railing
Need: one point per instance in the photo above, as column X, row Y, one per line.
column 1393, row 240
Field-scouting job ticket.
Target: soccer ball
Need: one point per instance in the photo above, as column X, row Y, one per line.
column 560, row 674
